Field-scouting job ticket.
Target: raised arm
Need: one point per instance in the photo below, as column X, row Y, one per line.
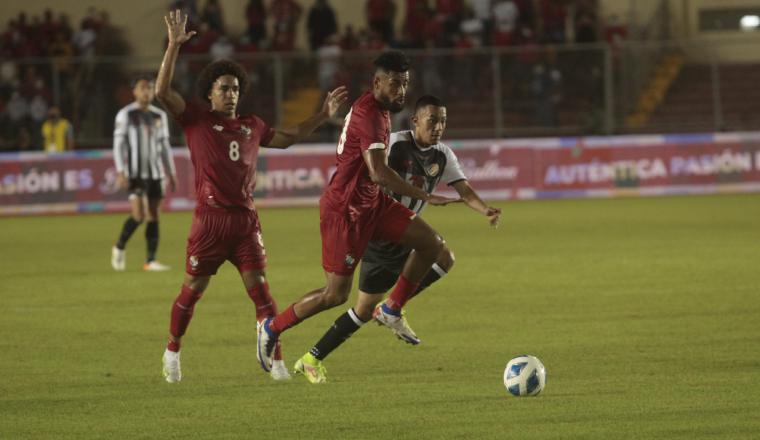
column 285, row 137
column 383, row 175
column 175, row 28
column 473, row 200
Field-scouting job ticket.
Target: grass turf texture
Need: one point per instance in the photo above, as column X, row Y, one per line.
column 644, row 312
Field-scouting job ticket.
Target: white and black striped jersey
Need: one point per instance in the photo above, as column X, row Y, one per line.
column 141, row 142
column 424, row 168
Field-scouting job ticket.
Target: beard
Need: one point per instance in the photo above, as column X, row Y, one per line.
column 395, row 107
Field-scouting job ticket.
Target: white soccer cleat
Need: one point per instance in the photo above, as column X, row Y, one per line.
column 279, row 370
column 172, row 372
column 155, row 266
column 118, row 259
column 397, row 323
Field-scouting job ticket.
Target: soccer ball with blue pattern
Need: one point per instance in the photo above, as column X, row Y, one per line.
column 525, row 376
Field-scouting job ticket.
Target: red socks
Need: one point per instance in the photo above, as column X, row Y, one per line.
column 265, row 304
column 403, row 291
column 284, row 320
column 182, row 312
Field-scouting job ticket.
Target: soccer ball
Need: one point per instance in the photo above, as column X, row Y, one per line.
column 525, row 376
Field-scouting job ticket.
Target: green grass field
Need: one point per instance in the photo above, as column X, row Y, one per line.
column 644, row 311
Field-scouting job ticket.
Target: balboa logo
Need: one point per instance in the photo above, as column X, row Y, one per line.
column 246, row 130
column 350, row 260
column 193, row 261
column 218, row 127
column 433, row 170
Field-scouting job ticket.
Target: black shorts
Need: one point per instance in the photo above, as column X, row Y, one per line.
column 150, row 188
column 379, row 277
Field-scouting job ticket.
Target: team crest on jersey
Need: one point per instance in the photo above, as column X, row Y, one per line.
column 246, row 130
column 433, row 170
column 218, row 127
column 193, row 261
column 350, row 260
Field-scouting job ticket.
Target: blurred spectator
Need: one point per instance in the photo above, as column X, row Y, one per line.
column 585, row 22
column 17, row 108
column 483, row 10
column 57, row 133
column 8, row 72
column 614, row 32
column 547, row 90
column 212, row 15
column 38, row 109
column 222, row 49
column 553, row 16
column 526, row 14
column 449, row 13
column 349, row 40
column 48, row 27
column 321, row 23
column 256, row 15
column 380, row 15
column 373, row 41
column 473, row 28
column 62, row 52
column 84, row 39
column 328, row 57
column 417, row 15
column 585, row 28
column 505, row 14
column 285, row 14
column 64, row 25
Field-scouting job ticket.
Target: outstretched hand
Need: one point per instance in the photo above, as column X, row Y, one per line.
column 176, row 22
column 334, row 100
column 494, row 215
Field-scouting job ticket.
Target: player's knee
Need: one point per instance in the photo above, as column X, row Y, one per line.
column 139, row 218
column 435, row 248
column 446, row 259
column 332, row 299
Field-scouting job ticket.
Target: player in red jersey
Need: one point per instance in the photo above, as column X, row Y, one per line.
column 223, row 148
column 354, row 210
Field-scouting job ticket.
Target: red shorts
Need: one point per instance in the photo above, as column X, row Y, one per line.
column 220, row 234
column 344, row 240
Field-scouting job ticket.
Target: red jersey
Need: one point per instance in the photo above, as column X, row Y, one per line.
column 224, row 153
column 367, row 126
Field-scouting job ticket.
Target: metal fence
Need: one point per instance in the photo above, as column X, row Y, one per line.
column 490, row 93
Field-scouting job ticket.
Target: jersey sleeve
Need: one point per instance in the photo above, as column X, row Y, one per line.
column 372, row 130
column 192, row 114
column 120, row 140
column 452, row 173
column 267, row 132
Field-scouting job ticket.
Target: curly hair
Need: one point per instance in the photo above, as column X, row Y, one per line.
column 392, row 61
column 213, row 71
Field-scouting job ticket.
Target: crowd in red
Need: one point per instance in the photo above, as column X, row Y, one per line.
column 426, row 23
column 36, row 49
column 37, row 52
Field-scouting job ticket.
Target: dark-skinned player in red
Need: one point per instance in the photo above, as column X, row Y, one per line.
column 354, row 209
column 223, row 147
